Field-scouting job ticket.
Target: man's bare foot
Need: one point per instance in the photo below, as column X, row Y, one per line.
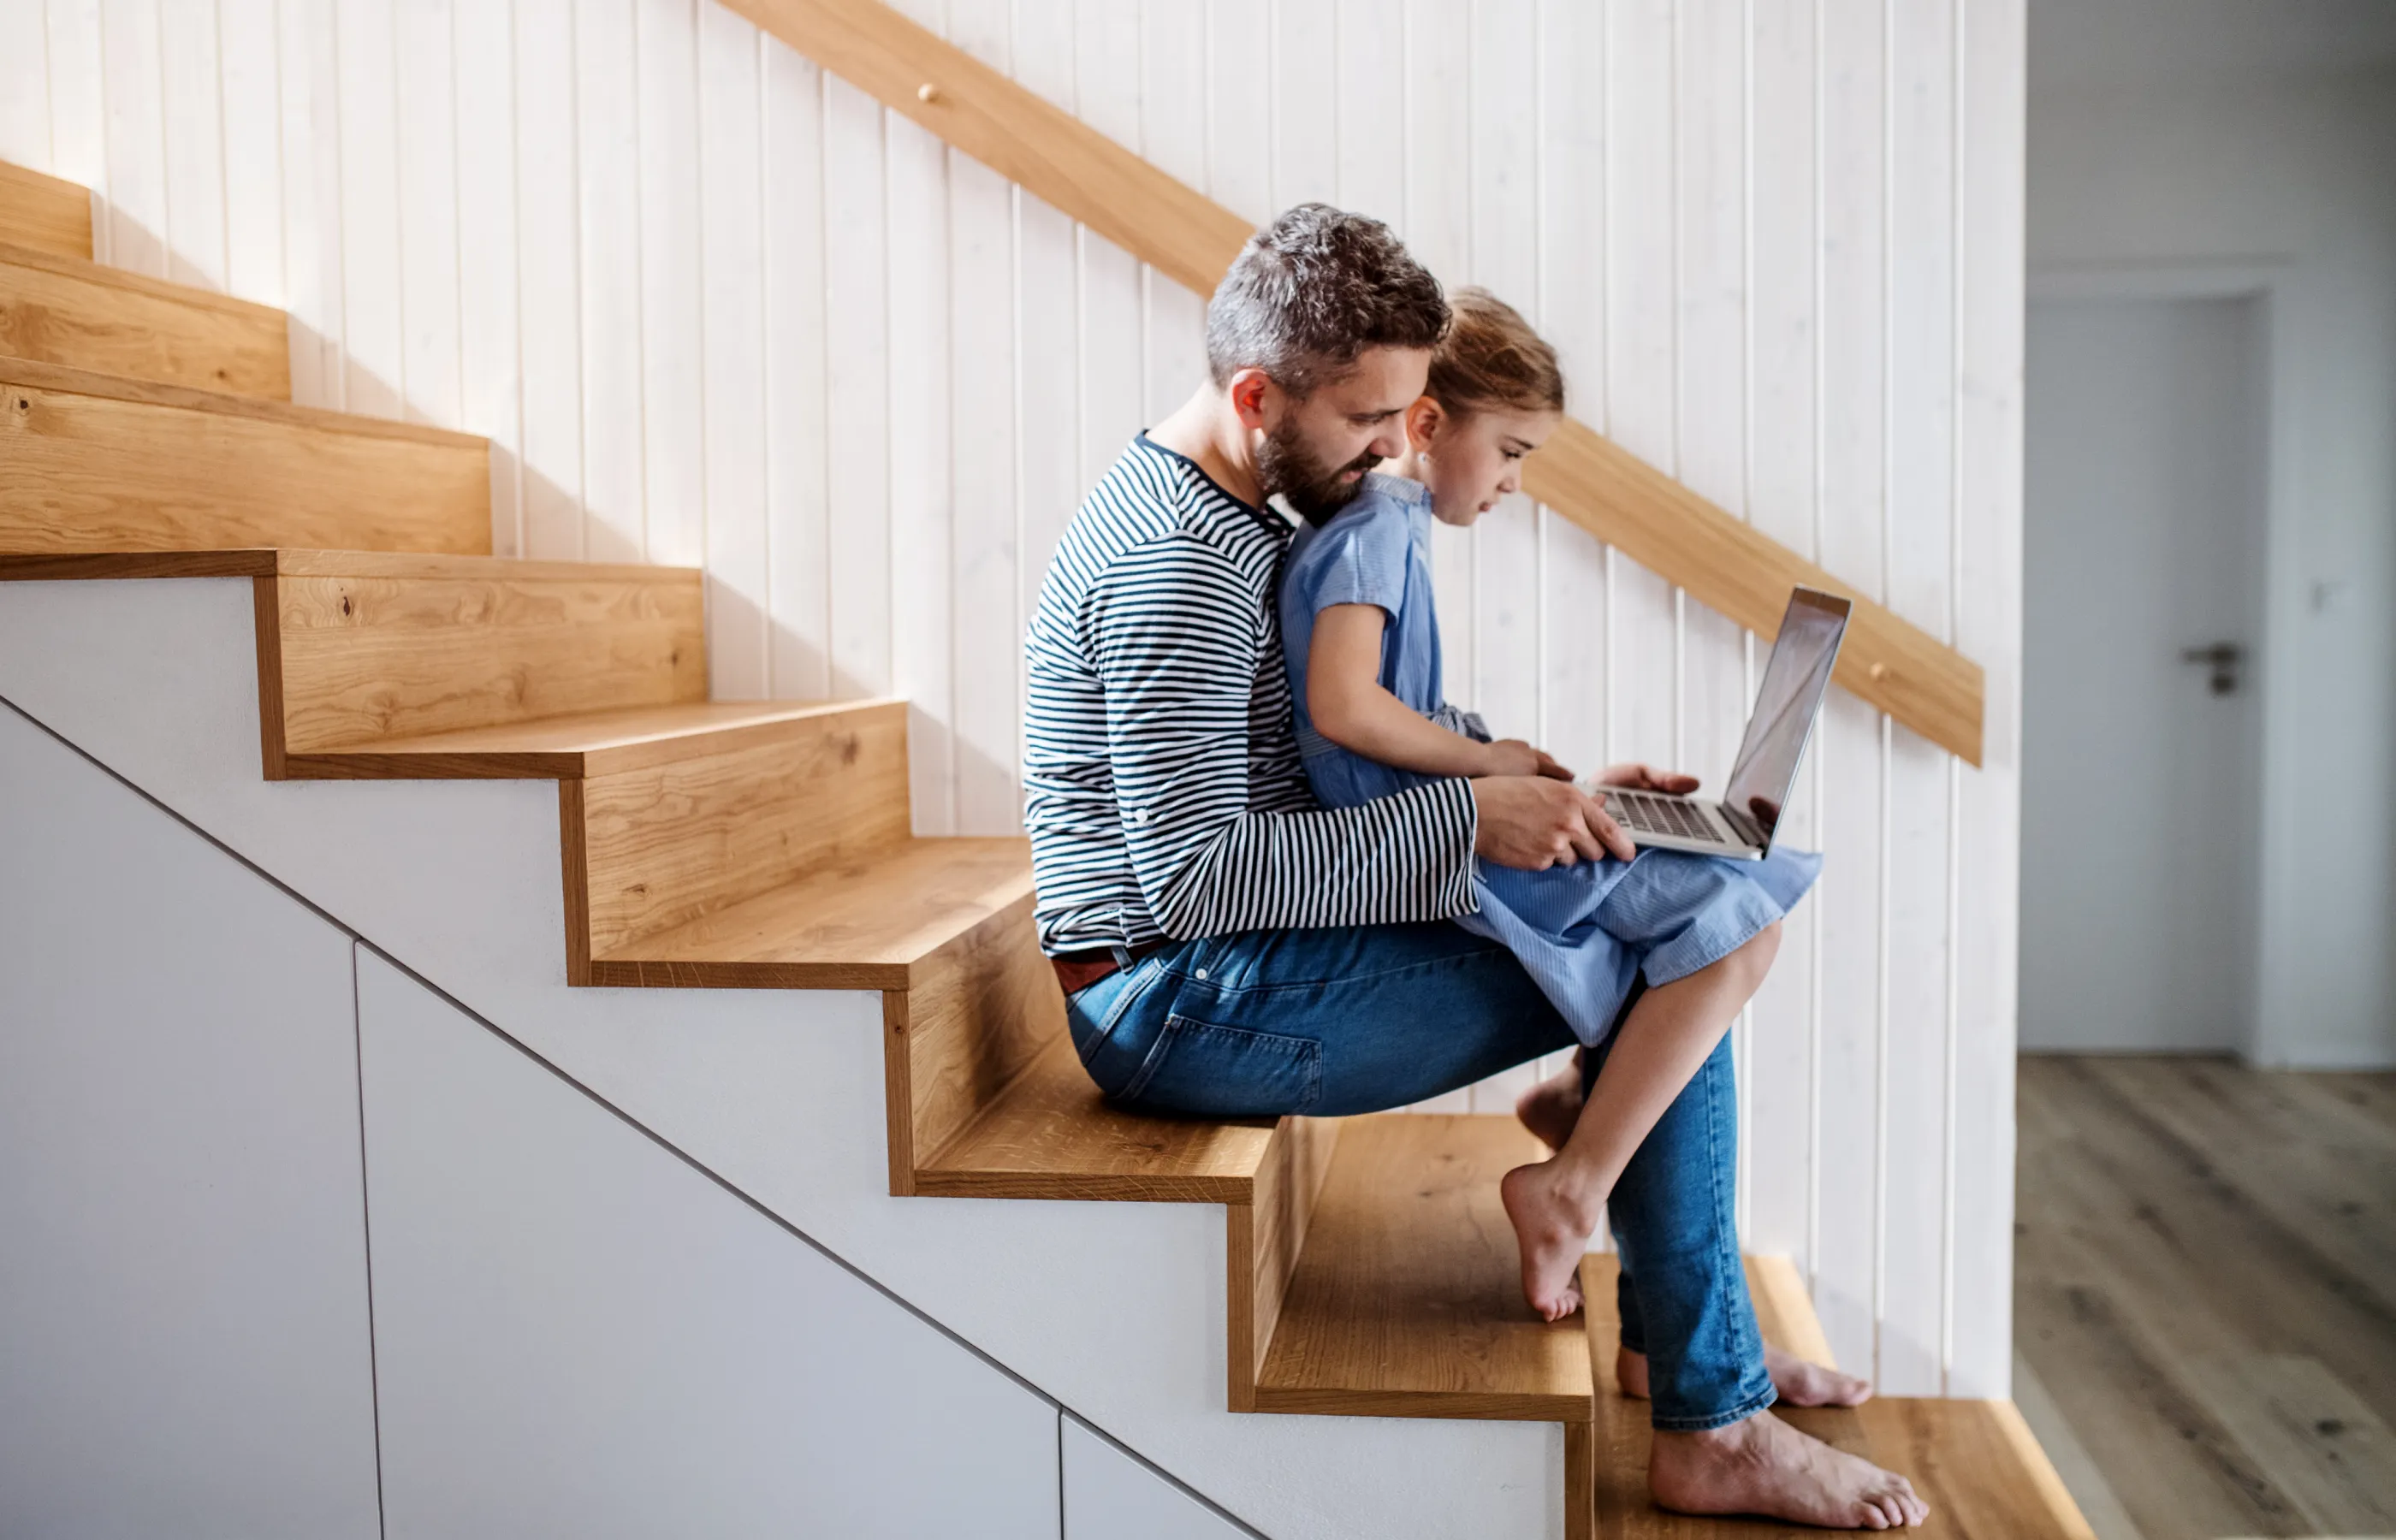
column 1800, row 1381
column 1551, row 1107
column 1762, row 1466
column 1552, row 1231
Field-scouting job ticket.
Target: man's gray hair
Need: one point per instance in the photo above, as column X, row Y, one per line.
column 1311, row 292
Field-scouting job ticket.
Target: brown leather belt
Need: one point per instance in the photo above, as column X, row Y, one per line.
column 1077, row 971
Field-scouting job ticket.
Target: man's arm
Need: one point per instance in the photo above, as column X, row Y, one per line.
column 1172, row 632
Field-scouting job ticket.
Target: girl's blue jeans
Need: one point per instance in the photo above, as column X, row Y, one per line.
column 1336, row 1021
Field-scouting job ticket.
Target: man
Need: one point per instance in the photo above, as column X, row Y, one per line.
column 1230, row 947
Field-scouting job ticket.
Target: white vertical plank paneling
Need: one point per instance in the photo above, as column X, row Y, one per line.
column 1640, row 277
column 1980, row 1209
column 713, row 308
column 857, row 345
column 1922, row 495
column 1173, row 136
column 986, row 618
column 1848, row 758
column 78, row 115
column 674, row 399
column 134, row 138
column 1372, row 126
column 1710, row 312
column 1571, row 91
column 192, row 117
column 427, row 217
column 25, row 85
column 1778, row 1074
column 1048, row 403
column 1106, row 87
column 1239, row 92
column 922, row 507
column 608, row 157
column 549, row 279
column 733, row 536
column 374, row 377
column 1305, row 102
column 797, row 486
column 489, row 344
column 251, row 87
column 312, row 202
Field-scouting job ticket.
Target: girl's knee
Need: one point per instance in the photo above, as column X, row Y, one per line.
column 1754, row 960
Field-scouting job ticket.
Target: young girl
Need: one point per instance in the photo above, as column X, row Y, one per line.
column 1362, row 652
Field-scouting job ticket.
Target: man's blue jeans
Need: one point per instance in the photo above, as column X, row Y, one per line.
column 1336, row 1021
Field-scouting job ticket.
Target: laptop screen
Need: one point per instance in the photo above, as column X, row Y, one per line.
column 1795, row 678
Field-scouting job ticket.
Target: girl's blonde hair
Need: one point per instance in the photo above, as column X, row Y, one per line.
column 1491, row 359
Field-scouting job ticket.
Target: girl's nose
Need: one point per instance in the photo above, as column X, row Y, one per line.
column 1510, row 483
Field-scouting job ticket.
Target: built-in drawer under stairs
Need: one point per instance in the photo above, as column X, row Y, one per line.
column 146, row 432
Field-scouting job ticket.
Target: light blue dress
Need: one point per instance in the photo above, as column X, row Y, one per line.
column 1586, row 932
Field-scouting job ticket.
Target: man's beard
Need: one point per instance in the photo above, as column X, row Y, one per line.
column 1286, row 466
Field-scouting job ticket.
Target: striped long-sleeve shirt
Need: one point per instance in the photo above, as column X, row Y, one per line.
column 1162, row 785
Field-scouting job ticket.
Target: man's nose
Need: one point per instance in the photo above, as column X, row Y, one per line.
column 1390, row 443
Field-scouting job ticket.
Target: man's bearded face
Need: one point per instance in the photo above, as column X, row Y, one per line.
column 1286, row 464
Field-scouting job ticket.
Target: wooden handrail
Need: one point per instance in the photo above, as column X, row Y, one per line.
column 1725, row 562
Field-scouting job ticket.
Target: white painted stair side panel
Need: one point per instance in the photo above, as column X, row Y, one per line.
column 578, row 1334
column 1111, row 1496
column 1115, row 1309
column 184, row 1336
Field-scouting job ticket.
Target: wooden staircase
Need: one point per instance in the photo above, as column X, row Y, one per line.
column 706, row 844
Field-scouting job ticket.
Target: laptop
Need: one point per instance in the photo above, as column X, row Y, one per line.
column 1740, row 825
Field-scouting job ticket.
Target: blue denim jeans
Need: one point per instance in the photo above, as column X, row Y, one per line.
column 1338, row 1021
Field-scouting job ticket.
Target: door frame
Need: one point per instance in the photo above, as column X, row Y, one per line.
column 2277, row 940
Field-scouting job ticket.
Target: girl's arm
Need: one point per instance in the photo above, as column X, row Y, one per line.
column 1345, row 698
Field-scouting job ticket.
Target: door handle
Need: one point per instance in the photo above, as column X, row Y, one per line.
column 2223, row 657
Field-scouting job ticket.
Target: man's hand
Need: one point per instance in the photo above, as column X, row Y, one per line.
column 1640, row 778
column 1533, row 823
column 1514, row 757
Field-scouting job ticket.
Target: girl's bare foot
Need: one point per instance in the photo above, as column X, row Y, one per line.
column 1762, row 1466
column 1800, row 1382
column 1551, row 1107
column 1552, row 1230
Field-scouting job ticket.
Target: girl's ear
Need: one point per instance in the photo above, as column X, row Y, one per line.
column 1424, row 420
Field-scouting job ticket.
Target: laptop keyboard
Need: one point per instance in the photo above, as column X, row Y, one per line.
column 1646, row 815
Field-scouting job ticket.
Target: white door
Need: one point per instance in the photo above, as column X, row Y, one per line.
column 2140, row 755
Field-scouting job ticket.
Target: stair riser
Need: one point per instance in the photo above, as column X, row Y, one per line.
column 44, row 213
column 979, row 1010
column 94, row 474
column 367, row 656
column 1266, row 1236
column 666, row 844
column 93, row 319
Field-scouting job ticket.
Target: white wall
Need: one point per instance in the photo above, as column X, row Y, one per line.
column 298, row 1248
column 183, row 1313
column 712, row 307
column 2281, row 188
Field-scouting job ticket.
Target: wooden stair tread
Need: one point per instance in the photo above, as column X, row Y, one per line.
column 69, row 380
column 1050, row 1134
column 69, row 311
column 1975, row 1462
column 583, row 744
column 1407, row 1298
column 43, row 212
column 863, row 923
column 288, row 561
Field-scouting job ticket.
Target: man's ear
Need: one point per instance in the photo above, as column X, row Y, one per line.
column 1424, row 420
column 1248, row 391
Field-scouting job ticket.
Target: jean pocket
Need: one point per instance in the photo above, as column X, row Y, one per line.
column 1200, row 1067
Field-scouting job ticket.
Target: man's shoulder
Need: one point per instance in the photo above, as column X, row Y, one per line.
column 1157, row 503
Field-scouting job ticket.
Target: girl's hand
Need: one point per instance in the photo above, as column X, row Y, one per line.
column 1515, row 757
column 1640, row 778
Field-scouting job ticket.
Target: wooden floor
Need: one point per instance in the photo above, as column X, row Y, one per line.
column 2205, row 1294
